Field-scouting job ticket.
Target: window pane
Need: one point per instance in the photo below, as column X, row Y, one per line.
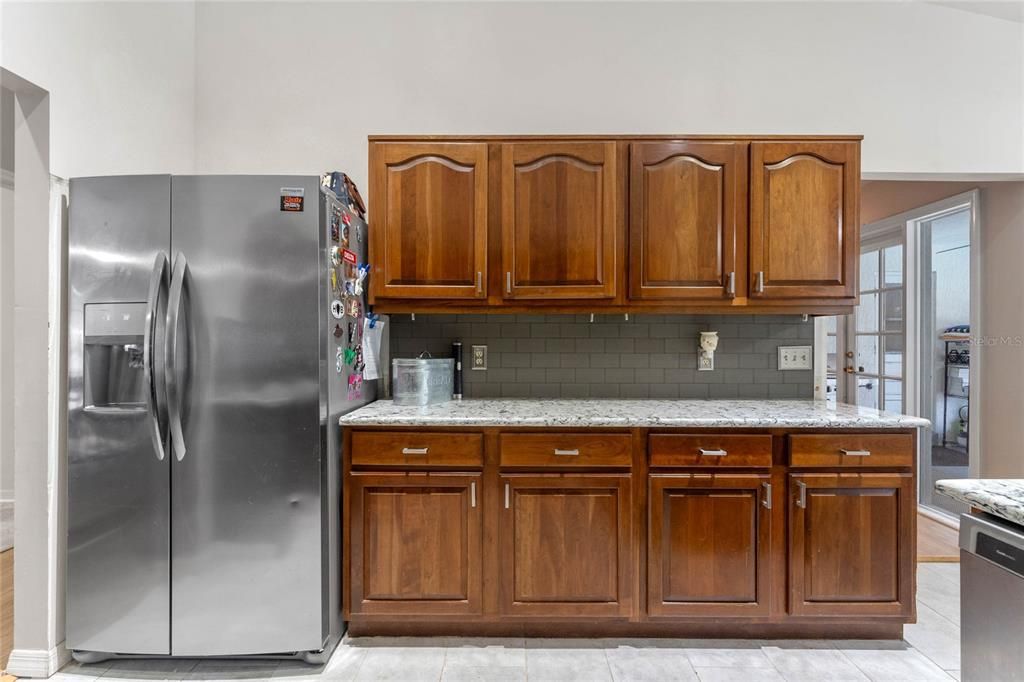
column 830, row 324
column 867, row 392
column 893, row 395
column 867, row 354
column 892, row 311
column 893, row 258
column 830, row 390
column 893, row 349
column 867, row 313
column 869, row 270
column 830, row 354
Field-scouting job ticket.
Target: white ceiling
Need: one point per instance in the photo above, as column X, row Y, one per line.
column 1010, row 10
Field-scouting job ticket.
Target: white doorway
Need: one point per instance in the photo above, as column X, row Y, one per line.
column 908, row 347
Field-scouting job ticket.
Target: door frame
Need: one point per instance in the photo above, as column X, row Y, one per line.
column 910, row 222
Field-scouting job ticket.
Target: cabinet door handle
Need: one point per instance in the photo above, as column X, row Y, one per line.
column 414, row 451
column 767, row 501
column 855, row 453
column 760, row 281
column 472, row 494
column 801, row 500
column 712, row 453
column 479, row 282
column 567, row 452
column 506, row 496
column 730, row 287
column 508, row 282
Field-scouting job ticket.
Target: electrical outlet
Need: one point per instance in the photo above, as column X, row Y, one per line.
column 796, row 357
column 478, row 357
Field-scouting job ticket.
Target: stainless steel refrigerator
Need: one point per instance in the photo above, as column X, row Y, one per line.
column 203, row 472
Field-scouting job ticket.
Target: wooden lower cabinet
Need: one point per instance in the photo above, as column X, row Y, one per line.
column 851, row 544
column 565, row 545
column 415, row 544
column 709, row 543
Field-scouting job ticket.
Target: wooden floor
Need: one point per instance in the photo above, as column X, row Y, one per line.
column 936, row 542
column 6, row 606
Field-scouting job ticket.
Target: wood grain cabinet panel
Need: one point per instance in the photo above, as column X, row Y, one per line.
column 687, row 226
column 841, row 450
column 415, row 544
column 851, row 544
column 566, row 450
column 559, row 220
column 709, row 545
column 804, row 202
column 565, row 545
column 417, row 449
column 429, row 217
column 719, row 450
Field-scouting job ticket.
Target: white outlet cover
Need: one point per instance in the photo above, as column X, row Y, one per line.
column 796, row 357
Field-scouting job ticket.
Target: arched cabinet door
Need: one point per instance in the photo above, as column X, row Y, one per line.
column 559, row 220
column 428, row 221
column 804, row 201
column 687, row 227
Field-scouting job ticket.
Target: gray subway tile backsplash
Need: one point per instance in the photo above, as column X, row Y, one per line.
column 648, row 356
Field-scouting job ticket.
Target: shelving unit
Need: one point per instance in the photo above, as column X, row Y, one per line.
column 951, row 344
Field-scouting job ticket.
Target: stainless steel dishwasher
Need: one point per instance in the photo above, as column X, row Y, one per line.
column 991, row 599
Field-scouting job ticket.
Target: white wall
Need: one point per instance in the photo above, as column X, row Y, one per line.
column 121, row 80
column 296, row 87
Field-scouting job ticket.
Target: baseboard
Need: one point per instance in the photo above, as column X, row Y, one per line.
column 37, row 662
column 947, row 520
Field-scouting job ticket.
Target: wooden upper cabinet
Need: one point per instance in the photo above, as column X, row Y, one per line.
column 559, row 220
column 851, row 544
column 428, row 234
column 687, row 227
column 709, row 545
column 416, row 544
column 804, row 202
column 565, row 545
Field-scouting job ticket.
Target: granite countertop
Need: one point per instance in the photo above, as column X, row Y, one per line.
column 1003, row 497
column 631, row 413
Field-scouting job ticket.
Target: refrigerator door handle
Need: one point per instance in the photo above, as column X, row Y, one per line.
column 174, row 387
column 155, row 403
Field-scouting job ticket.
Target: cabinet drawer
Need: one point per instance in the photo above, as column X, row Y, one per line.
column 709, row 450
column 851, row 450
column 566, row 450
column 409, row 448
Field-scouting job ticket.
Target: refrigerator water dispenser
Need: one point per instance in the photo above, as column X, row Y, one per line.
column 114, row 376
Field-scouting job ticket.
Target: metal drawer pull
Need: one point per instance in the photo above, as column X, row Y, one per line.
column 414, row 451
column 506, row 496
column 567, row 452
column 508, row 282
column 760, row 281
column 472, row 494
column 767, row 501
column 730, row 288
column 712, row 453
column 855, row 453
column 802, row 500
column 479, row 282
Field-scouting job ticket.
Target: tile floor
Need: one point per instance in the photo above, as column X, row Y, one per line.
column 931, row 651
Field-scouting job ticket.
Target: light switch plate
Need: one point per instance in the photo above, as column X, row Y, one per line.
column 796, row 357
column 478, row 357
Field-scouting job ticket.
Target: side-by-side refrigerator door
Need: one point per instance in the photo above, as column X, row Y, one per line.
column 244, row 330
column 118, row 570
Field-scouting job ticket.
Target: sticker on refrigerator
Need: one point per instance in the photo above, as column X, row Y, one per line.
column 337, row 309
column 349, row 257
column 292, row 199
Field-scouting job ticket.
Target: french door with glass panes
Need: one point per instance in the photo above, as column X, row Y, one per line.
column 866, row 350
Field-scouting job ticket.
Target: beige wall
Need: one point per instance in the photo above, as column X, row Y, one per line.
column 1002, row 325
column 883, row 198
